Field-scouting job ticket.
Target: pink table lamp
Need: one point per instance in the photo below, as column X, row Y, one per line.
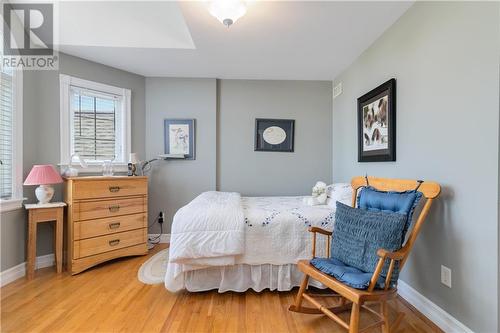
column 43, row 175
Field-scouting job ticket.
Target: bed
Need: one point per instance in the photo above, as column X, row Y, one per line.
column 231, row 243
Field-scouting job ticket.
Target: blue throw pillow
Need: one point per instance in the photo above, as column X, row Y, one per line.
column 359, row 233
column 390, row 201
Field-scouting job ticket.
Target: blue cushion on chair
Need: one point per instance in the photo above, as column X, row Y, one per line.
column 349, row 275
column 359, row 233
column 389, row 201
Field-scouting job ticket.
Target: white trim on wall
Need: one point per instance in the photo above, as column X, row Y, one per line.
column 11, row 204
column 164, row 238
column 64, row 121
column 19, row 271
column 17, row 147
column 17, row 151
column 434, row 313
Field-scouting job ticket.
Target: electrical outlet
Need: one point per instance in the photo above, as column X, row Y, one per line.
column 446, row 276
column 337, row 90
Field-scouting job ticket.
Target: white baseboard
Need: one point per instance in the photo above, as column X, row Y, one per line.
column 16, row 272
column 164, row 238
column 434, row 313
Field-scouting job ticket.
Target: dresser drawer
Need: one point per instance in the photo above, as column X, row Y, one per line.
column 93, row 189
column 87, row 210
column 110, row 225
column 91, row 246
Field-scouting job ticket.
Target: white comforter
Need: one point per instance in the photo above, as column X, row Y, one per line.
column 209, row 230
column 277, row 229
column 266, row 230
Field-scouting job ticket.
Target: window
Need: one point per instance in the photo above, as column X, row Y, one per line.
column 94, row 118
column 95, row 122
column 11, row 145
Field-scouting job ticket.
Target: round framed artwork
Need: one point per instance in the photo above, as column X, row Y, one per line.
column 274, row 135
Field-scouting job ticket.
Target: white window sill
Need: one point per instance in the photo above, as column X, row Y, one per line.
column 95, row 168
column 11, row 204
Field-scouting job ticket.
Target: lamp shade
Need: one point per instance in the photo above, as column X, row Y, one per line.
column 43, row 175
column 227, row 11
column 133, row 158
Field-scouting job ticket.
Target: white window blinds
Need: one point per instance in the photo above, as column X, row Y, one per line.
column 7, row 109
column 96, row 125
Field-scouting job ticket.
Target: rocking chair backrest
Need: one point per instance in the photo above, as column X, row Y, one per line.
column 429, row 190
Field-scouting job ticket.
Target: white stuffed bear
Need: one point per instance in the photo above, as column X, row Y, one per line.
column 319, row 195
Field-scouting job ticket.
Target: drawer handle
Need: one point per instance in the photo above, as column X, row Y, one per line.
column 114, row 189
column 114, row 209
column 115, row 225
column 114, row 242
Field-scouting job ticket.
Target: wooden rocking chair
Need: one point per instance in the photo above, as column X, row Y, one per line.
column 354, row 299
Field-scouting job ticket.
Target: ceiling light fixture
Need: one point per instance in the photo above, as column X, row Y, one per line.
column 227, row 11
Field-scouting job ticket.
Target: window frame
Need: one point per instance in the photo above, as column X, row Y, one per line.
column 65, row 83
column 15, row 202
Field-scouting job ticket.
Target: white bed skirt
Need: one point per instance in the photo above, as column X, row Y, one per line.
column 242, row 277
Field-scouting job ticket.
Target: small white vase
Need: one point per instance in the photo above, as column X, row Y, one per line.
column 44, row 193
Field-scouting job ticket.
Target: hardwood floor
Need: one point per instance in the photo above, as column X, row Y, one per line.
column 109, row 298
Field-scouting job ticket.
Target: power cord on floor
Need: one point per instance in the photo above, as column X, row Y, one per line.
column 156, row 240
column 152, row 241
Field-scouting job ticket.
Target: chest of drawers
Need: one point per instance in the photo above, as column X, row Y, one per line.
column 106, row 219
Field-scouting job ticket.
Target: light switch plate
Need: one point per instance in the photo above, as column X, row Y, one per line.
column 446, row 276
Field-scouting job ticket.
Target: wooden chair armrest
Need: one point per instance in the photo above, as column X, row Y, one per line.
column 320, row 231
column 317, row 230
column 396, row 255
column 385, row 254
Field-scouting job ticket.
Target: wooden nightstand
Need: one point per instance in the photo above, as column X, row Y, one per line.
column 39, row 213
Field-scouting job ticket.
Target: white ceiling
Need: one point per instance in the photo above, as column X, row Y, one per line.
column 274, row 40
column 123, row 24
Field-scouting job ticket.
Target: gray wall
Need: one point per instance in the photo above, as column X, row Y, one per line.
column 225, row 113
column 41, row 140
column 445, row 57
column 243, row 170
column 12, row 238
column 172, row 184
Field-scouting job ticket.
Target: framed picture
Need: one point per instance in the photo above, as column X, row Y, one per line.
column 377, row 124
column 179, row 137
column 274, row 135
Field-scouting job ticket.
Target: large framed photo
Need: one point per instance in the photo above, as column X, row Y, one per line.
column 179, row 135
column 377, row 124
column 274, row 135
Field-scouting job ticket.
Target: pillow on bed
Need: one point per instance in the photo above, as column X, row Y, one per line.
column 359, row 233
column 339, row 192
